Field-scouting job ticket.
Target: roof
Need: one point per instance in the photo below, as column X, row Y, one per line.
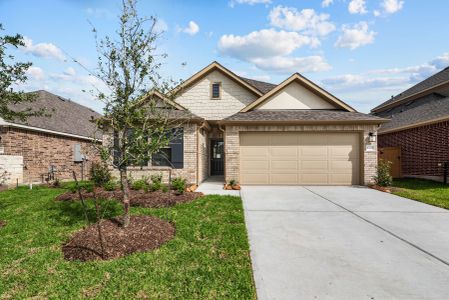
column 337, row 116
column 430, row 108
column 296, row 77
column 437, row 79
column 66, row 116
column 262, row 86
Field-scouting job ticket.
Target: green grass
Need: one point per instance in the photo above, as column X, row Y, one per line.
column 427, row 191
column 208, row 258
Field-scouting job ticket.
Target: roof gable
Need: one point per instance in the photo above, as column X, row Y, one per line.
column 305, row 83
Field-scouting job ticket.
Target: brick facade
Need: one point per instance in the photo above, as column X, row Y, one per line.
column 41, row 150
column 422, row 148
column 232, row 142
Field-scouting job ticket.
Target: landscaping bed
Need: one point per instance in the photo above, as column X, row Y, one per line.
column 137, row 197
column 143, row 233
column 208, row 258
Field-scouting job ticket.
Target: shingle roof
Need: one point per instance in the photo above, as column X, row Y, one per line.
column 430, row 82
column 66, row 116
column 264, row 87
column 303, row 115
column 429, row 108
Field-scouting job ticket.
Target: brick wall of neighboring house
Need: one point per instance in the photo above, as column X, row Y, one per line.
column 422, row 148
column 232, row 145
column 41, row 150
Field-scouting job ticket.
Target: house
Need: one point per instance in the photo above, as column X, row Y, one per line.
column 416, row 140
column 261, row 133
column 48, row 146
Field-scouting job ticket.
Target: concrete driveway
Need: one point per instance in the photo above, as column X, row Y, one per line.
column 345, row 243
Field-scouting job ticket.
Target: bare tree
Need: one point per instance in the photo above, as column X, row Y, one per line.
column 140, row 122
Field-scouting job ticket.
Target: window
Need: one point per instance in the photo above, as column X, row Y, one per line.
column 162, row 158
column 173, row 155
column 216, row 90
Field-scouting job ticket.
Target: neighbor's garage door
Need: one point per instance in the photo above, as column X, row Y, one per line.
column 299, row 158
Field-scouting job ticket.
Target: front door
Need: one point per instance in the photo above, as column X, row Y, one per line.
column 216, row 157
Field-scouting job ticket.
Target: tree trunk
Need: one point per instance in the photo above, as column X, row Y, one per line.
column 125, row 190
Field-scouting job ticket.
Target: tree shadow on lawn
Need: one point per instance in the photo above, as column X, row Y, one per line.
column 70, row 213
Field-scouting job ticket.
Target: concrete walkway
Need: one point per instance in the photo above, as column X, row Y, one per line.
column 214, row 186
column 345, row 243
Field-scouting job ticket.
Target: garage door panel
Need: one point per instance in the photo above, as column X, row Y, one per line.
column 284, row 178
column 299, row 158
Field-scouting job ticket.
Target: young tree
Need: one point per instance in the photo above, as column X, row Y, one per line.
column 13, row 73
column 139, row 122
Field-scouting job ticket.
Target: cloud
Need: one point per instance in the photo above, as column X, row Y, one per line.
column 250, row 2
column 264, row 44
column 35, row 72
column 284, row 64
column 192, row 28
column 46, row 50
column 306, row 20
column 392, row 6
column 441, row 62
column 357, row 7
column 326, row 3
column 100, row 12
column 355, row 36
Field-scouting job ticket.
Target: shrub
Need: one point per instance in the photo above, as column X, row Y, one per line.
column 84, row 185
column 111, row 185
column 164, row 188
column 383, row 177
column 232, row 182
column 100, row 174
column 141, row 184
column 179, row 184
column 156, row 182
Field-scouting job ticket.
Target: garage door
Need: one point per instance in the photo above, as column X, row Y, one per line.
column 299, row 158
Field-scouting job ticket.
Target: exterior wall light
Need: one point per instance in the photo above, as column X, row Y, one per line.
column 371, row 137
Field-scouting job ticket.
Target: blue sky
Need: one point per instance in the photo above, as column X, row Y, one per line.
column 363, row 51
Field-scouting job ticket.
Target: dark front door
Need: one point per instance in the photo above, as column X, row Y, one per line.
column 216, row 157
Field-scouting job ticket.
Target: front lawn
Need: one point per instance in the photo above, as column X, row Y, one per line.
column 427, row 191
column 207, row 259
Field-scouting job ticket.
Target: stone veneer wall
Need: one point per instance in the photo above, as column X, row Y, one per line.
column 190, row 159
column 232, row 145
column 13, row 165
column 40, row 150
column 197, row 98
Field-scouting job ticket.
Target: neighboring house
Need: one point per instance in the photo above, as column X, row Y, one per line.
column 35, row 149
column 417, row 138
column 261, row 133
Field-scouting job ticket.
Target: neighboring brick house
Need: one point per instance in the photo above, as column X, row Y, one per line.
column 261, row 133
column 419, row 128
column 49, row 144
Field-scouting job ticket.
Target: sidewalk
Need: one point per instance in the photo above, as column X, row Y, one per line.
column 214, row 186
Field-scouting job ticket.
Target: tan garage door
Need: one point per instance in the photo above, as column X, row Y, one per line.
column 299, row 158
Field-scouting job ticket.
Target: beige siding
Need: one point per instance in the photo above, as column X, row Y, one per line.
column 368, row 157
column 295, row 96
column 197, row 98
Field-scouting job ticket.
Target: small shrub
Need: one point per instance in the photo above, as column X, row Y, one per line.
column 84, row 185
column 100, row 174
column 111, row 185
column 383, row 177
column 156, row 184
column 164, row 188
column 141, row 184
column 232, row 182
column 179, row 184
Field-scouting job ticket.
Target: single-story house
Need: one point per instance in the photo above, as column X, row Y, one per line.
column 416, row 140
column 49, row 146
column 255, row 132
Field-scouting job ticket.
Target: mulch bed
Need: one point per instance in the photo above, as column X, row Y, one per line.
column 138, row 198
column 144, row 233
column 2, row 223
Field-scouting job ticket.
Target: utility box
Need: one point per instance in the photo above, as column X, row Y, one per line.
column 77, row 155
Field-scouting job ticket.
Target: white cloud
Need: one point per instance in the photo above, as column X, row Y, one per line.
column 250, row 2
column 284, row 64
column 264, row 44
column 47, row 50
column 376, row 13
column 392, row 6
column 326, row 3
column 306, row 20
column 357, row 7
column 441, row 62
column 36, row 72
column 355, row 36
column 192, row 28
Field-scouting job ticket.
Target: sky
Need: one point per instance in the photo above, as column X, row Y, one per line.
column 362, row 51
